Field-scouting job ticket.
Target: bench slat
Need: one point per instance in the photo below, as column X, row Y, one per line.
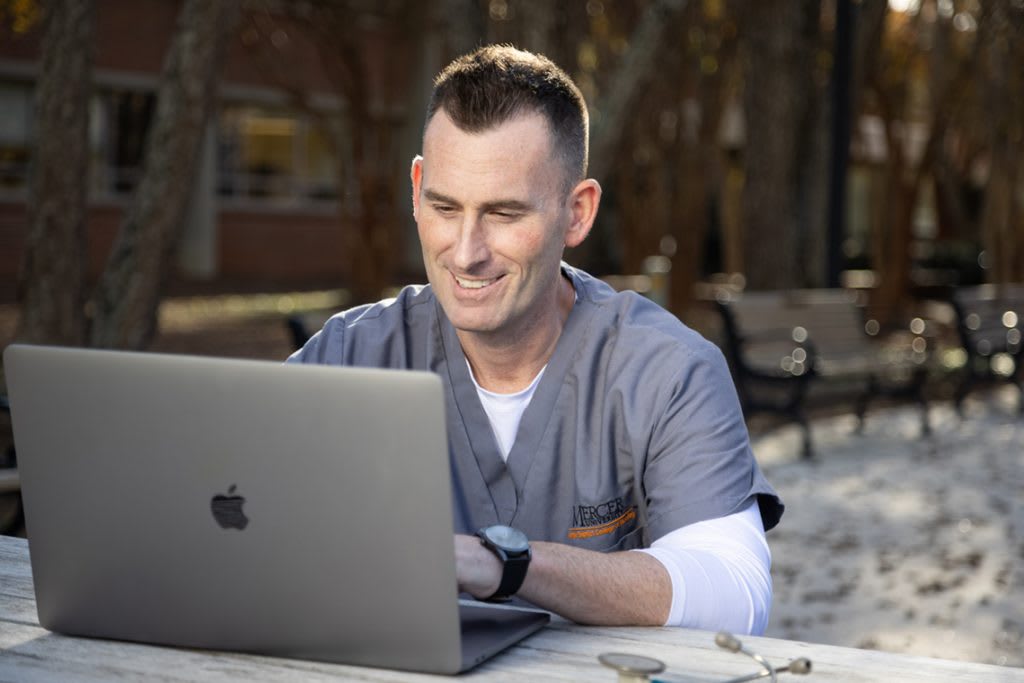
column 779, row 342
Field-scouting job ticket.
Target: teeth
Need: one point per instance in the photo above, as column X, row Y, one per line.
column 473, row 284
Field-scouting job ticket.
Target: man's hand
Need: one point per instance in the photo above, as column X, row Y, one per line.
column 610, row 589
column 478, row 569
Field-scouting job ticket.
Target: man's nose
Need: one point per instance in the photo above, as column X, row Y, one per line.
column 471, row 249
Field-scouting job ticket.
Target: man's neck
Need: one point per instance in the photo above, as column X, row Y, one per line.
column 506, row 364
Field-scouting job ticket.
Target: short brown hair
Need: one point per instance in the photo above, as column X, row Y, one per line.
column 496, row 83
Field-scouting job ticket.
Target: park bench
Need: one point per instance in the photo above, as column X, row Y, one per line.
column 989, row 323
column 302, row 326
column 298, row 331
column 781, row 344
column 11, row 510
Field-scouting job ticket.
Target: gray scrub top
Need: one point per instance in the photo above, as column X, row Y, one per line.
column 634, row 431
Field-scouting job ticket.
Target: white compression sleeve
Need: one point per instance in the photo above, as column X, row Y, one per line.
column 720, row 570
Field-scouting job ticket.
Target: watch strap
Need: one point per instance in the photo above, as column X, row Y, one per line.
column 512, row 576
column 513, row 568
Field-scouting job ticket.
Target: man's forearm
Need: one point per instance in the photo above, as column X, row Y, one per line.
column 609, row 589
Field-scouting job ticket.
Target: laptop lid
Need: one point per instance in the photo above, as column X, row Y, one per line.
column 299, row 511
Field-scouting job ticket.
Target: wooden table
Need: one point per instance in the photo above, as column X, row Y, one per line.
column 563, row 652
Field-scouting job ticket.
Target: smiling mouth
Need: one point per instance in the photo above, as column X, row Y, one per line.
column 474, row 284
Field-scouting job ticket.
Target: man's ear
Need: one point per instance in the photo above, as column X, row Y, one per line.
column 416, row 175
column 584, row 201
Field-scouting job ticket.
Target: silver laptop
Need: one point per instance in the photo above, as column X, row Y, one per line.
column 296, row 511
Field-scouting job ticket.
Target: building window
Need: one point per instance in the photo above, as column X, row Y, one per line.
column 15, row 131
column 321, row 167
column 274, row 155
column 131, row 114
column 264, row 154
column 119, row 122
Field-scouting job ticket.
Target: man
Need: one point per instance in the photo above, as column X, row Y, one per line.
column 593, row 422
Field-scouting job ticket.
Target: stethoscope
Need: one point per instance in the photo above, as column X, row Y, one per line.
column 637, row 668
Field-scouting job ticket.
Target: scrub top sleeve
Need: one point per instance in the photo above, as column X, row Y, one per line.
column 699, row 465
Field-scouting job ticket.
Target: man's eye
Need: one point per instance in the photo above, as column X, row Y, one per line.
column 444, row 209
column 506, row 215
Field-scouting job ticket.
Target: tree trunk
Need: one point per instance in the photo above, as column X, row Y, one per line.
column 1016, row 223
column 615, row 107
column 538, row 30
column 813, row 163
column 812, row 193
column 999, row 35
column 893, row 291
column 349, row 42
column 869, row 30
column 463, row 26
column 52, row 283
column 373, row 243
column 691, row 210
column 948, row 78
column 612, row 111
column 700, row 181
column 129, row 291
column 775, row 100
column 995, row 218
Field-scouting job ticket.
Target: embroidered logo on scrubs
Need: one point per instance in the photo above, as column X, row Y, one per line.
column 597, row 520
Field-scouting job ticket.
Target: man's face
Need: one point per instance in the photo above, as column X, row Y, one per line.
column 493, row 218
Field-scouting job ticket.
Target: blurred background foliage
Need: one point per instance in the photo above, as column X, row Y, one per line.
column 771, row 143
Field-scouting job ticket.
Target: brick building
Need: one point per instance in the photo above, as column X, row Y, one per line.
column 266, row 211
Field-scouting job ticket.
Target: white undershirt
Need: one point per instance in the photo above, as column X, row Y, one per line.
column 720, row 568
column 505, row 411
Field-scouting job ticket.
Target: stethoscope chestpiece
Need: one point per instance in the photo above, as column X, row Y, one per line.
column 632, row 668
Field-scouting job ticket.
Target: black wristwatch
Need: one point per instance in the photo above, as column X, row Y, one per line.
column 513, row 549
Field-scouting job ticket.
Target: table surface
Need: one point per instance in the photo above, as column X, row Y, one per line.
column 562, row 651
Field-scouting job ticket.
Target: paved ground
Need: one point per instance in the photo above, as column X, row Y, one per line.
column 901, row 543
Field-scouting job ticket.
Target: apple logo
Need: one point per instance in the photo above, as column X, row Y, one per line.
column 227, row 510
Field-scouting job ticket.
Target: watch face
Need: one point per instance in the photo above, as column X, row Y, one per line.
column 512, row 540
